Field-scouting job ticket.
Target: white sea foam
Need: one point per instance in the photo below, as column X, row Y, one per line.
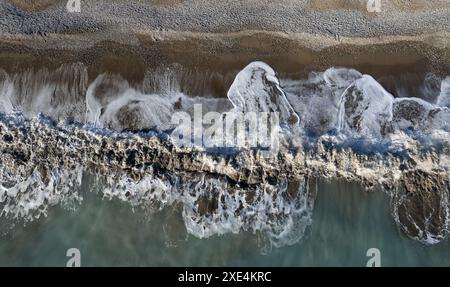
column 55, row 93
column 257, row 89
column 28, row 198
column 316, row 99
column 444, row 97
column 113, row 104
column 213, row 206
column 419, row 115
column 337, row 99
column 365, row 108
column 341, row 78
column 6, row 92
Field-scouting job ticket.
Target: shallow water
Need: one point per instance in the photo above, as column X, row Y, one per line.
column 347, row 221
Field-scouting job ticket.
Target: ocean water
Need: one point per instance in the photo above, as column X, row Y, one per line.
column 174, row 217
column 347, row 221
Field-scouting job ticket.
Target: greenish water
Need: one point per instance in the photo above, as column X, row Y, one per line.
column 346, row 223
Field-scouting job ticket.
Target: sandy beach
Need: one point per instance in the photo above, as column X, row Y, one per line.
column 291, row 35
column 223, row 133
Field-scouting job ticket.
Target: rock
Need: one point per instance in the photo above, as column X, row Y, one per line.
column 421, row 206
column 365, row 108
column 413, row 113
column 112, row 103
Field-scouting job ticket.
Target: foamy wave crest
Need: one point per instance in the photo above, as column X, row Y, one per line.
column 416, row 114
column 113, row 104
column 58, row 93
column 28, row 196
column 215, row 206
column 257, row 89
column 365, row 108
column 316, row 99
column 444, row 97
column 337, row 99
column 211, row 205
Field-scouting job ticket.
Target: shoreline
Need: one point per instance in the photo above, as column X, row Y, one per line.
column 293, row 36
column 110, row 92
column 293, row 54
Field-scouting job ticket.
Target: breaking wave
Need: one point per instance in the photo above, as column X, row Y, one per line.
column 333, row 120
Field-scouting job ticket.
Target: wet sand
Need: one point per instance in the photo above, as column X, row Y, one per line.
column 293, row 55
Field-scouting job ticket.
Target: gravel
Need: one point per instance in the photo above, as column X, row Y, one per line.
column 226, row 16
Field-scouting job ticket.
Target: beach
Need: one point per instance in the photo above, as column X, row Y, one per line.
column 125, row 106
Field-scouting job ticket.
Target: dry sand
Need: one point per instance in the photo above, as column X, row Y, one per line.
column 347, row 18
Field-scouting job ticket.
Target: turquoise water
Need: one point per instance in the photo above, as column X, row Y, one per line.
column 346, row 223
